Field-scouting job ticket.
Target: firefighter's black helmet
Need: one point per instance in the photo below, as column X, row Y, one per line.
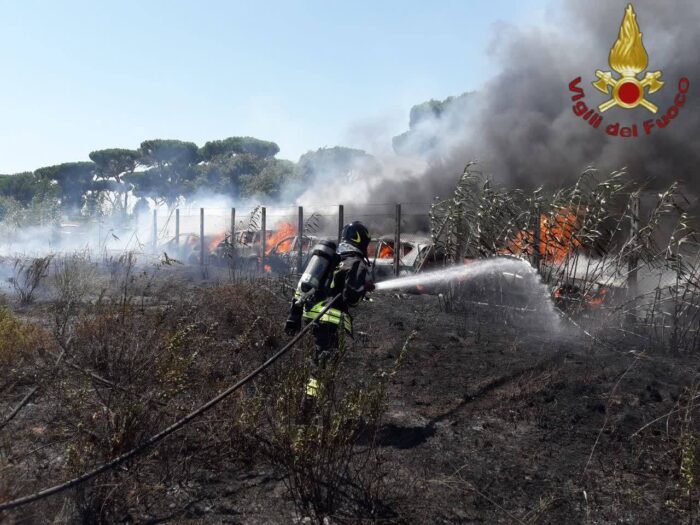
column 356, row 234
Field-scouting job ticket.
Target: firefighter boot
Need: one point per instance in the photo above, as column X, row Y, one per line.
column 308, row 401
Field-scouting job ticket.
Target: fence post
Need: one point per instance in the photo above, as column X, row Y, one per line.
column 341, row 220
column 397, row 240
column 233, row 227
column 177, row 226
column 537, row 239
column 201, row 236
column 155, row 229
column 263, row 240
column 634, row 260
column 300, row 237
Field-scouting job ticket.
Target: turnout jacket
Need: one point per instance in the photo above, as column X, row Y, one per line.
column 349, row 279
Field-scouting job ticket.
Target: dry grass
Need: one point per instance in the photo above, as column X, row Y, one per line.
column 28, row 276
column 117, row 370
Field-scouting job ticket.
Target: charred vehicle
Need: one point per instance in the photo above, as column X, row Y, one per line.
column 245, row 253
column 184, row 248
column 283, row 256
column 416, row 254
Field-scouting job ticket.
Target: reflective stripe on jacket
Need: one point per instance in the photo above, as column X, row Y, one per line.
column 333, row 316
column 312, row 387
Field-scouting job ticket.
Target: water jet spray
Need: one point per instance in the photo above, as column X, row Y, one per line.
column 458, row 273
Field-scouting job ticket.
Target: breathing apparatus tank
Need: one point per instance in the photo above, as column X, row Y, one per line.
column 314, row 278
column 318, row 268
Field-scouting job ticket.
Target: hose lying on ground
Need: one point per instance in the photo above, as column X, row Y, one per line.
column 166, row 432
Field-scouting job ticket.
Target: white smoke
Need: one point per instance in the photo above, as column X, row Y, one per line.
column 519, row 125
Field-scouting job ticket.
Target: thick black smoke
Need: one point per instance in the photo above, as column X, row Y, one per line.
column 521, row 126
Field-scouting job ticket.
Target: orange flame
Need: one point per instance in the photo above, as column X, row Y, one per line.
column 285, row 229
column 557, row 237
column 218, row 239
column 387, row 252
column 592, row 299
column 598, row 298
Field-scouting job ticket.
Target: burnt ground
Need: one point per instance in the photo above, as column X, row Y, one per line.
column 495, row 417
column 494, row 420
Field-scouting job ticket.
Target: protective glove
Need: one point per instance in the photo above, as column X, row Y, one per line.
column 292, row 326
column 369, row 286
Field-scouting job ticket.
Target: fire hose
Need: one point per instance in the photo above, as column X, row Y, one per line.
column 153, row 440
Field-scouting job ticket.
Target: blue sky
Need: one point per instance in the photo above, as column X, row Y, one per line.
column 85, row 75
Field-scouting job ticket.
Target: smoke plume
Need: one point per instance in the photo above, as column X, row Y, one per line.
column 521, row 127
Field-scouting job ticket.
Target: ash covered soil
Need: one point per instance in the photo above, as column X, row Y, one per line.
column 494, row 416
column 497, row 418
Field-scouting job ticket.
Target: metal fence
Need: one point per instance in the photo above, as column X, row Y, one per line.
column 198, row 231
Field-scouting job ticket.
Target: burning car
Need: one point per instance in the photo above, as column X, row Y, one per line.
column 281, row 249
column 417, row 253
column 570, row 297
column 183, row 248
column 282, row 257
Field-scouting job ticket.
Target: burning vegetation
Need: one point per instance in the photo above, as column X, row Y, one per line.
column 593, row 245
column 550, row 241
column 545, row 372
column 132, row 348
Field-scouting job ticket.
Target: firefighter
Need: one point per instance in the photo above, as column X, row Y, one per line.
column 346, row 273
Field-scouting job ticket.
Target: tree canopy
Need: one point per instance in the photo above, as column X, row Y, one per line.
column 23, row 187
column 171, row 167
column 336, row 162
column 162, row 153
column 74, row 180
column 112, row 163
column 168, row 170
column 239, row 145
